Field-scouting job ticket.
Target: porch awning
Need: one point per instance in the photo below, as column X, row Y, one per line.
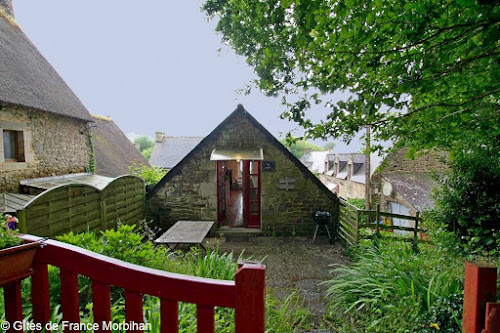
column 256, row 154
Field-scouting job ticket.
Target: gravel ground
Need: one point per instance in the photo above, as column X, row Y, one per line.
column 292, row 263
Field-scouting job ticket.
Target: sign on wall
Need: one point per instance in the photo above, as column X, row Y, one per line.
column 268, row 166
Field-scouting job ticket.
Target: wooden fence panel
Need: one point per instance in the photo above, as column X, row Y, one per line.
column 348, row 222
column 125, row 200
column 80, row 208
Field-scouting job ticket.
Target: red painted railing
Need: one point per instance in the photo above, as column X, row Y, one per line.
column 481, row 312
column 245, row 294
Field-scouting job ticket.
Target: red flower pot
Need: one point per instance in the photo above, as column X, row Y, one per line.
column 16, row 262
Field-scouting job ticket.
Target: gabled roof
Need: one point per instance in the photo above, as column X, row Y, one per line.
column 314, row 160
column 171, row 150
column 238, row 113
column 114, row 152
column 28, row 79
column 416, row 189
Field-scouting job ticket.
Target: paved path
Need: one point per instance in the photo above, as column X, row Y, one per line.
column 293, row 263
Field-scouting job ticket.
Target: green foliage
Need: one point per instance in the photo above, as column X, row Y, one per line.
column 389, row 288
column 468, row 201
column 297, row 146
column 359, row 203
column 145, row 142
column 146, row 153
column 426, row 72
column 329, row 145
column 151, row 175
column 8, row 237
column 92, row 167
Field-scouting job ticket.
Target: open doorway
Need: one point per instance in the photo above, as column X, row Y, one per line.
column 239, row 193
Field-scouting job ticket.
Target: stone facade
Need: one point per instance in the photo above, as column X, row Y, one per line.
column 190, row 191
column 53, row 145
column 347, row 189
column 407, row 181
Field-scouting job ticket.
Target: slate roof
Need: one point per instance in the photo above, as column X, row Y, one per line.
column 414, row 188
column 241, row 112
column 172, row 150
column 314, row 160
column 114, row 152
column 28, row 79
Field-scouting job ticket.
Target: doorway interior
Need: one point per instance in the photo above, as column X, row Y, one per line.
column 239, row 193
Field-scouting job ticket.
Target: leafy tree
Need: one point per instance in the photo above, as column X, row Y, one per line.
column 145, row 142
column 146, row 153
column 298, row 147
column 329, row 145
column 151, row 175
column 423, row 71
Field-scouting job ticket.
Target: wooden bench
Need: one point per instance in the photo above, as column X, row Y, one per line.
column 186, row 232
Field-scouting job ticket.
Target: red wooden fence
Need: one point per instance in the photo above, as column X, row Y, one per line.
column 246, row 294
column 481, row 314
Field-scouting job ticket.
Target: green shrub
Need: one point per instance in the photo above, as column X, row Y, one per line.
column 468, row 202
column 389, row 288
column 359, row 203
column 151, row 175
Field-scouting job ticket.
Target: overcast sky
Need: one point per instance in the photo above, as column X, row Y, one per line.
column 150, row 65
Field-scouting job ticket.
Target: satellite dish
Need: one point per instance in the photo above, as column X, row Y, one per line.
column 387, row 189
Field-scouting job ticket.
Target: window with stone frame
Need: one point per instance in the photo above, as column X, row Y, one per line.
column 13, row 146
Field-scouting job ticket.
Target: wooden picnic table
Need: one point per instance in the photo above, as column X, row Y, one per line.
column 186, row 232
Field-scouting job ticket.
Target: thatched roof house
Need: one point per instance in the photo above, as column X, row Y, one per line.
column 28, row 79
column 114, row 152
column 43, row 125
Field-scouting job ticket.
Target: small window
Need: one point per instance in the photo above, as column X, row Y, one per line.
column 13, row 146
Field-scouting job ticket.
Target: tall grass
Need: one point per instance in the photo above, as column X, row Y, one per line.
column 388, row 283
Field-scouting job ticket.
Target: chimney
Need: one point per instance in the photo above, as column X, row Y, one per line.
column 6, row 6
column 159, row 136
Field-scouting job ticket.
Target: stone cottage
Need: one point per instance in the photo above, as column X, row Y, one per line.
column 242, row 176
column 404, row 185
column 44, row 128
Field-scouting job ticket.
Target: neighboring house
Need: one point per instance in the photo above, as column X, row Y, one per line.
column 314, row 160
column 44, row 128
column 403, row 185
column 240, row 175
column 170, row 150
column 344, row 173
column 114, row 152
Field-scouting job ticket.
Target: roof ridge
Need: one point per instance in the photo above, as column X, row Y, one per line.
column 101, row 117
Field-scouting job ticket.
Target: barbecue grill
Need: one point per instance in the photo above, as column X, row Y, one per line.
column 322, row 218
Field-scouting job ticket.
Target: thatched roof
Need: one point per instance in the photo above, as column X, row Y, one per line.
column 114, row 152
column 28, row 79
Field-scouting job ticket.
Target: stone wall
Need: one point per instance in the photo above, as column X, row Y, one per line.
column 348, row 189
column 53, row 145
column 397, row 162
column 191, row 192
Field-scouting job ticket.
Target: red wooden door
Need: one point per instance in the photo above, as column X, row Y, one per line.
column 221, row 191
column 252, row 193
